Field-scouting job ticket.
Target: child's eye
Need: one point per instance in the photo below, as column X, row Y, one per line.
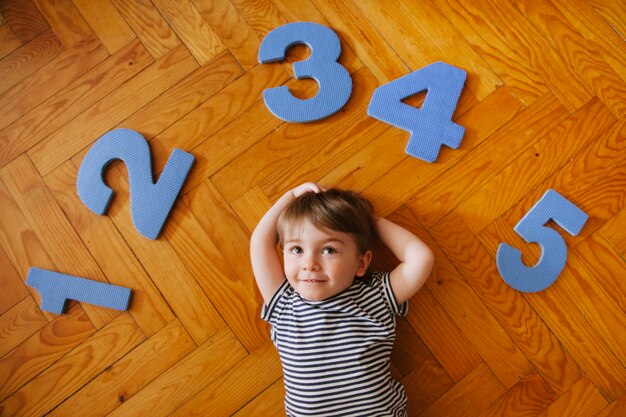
column 295, row 250
column 329, row 251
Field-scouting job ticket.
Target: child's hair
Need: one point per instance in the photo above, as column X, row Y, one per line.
column 334, row 209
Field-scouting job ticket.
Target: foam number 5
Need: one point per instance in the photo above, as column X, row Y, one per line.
column 430, row 126
column 335, row 84
column 554, row 252
column 150, row 203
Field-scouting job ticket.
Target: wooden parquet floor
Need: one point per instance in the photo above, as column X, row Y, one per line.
column 544, row 106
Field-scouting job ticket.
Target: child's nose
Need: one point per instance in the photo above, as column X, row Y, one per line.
column 311, row 263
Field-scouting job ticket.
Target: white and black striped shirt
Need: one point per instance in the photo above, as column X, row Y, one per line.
column 335, row 353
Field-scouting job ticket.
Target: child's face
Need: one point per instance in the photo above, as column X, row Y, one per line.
column 321, row 263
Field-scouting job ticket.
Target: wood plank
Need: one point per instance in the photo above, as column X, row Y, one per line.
column 270, row 403
column 66, row 21
column 24, row 18
column 232, row 293
column 45, row 217
column 210, row 117
column 448, row 344
column 392, row 189
column 75, row 369
column 43, row 349
column 612, row 12
column 432, row 321
column 283, row 150
column 75, row 98
column 590, row 180
column 595, row 28
column 85, row 128
column 232, row 390
column 540, row 161
column 409, row 351
column 521, row 322
column 8, row 41
column 375, row 53
column 105, row 243
column 149, row 25
column 183, row 294
column 530, row 396
column 543, row 107
column 27, row 59
column 480, row 331
column 615, row 409
column 613, row 232
column 583, row 399
column 601, row 258
column 433, row 39
column 193, row 30
column 185, row 379
column 487, row 159
column 49, row 80
column 520, row 56
column 251, row 206
column 306, row 11
column 19, row 323
column 424, row 385
column 567, row 318
column 135, row 370
column 463, row 400
column 232, row 29
column 104, row 19
column 261, row 15
column 12, row 288
column 20, row 243
column 578, row 52
column 184, row 97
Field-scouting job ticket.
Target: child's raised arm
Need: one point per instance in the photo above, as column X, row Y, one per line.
column 266, row 265
column 416, row 259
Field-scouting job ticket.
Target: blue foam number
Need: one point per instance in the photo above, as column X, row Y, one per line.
column 56, row 288
column 431, row 125
column 533, row 230
column 335, row 84
column 150, row 203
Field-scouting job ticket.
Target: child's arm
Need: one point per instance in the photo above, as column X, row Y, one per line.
column 416, row 259
column 266, row 265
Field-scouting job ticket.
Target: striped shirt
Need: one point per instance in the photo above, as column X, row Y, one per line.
column 335, row 353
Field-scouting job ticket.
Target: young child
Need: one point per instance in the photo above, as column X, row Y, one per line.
column 332, row 322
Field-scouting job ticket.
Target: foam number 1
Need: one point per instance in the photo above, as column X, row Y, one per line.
column 431, row 125
column 552, row 206
column 150, row 203
column 335, row 84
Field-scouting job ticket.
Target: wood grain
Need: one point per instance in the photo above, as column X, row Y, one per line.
column 543, row 107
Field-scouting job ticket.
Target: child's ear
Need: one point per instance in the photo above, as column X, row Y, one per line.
column 364, row 263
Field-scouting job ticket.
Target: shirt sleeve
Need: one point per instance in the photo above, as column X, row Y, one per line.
column 268, row 309
column 398, row 310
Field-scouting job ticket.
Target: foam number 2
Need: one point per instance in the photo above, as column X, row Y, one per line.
column 150, row 202
column 431, row 125
column 335, row 84
column 533, row 230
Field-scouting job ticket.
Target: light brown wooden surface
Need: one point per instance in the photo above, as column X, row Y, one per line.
column 544, row 106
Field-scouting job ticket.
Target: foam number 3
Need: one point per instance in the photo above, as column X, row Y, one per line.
column 150, row 203
column 431, row 125
column 335, row 84
column 533, row 230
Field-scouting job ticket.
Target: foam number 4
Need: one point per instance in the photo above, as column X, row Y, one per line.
column 335, row 84
column 533, row 230
column 150, row 203
column 431, row 125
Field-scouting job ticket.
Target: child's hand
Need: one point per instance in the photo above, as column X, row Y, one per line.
column 307, row 187
column 266, row 265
